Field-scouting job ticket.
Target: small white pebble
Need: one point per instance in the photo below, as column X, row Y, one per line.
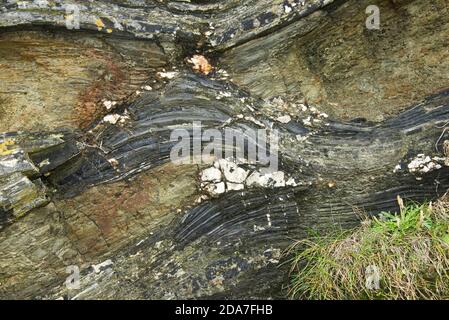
column 284, row 119
column 112, row 118
column 235, row 186
column 211, row 174
column 167, row 75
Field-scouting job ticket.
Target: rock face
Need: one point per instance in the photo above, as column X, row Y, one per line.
column 39, row 67
column 331, row 59
column 86, row 181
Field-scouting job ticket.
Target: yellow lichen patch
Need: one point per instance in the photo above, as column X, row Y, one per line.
column 99, row 23
column 5, row 147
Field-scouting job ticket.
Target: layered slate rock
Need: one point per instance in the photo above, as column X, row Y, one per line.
column 21, row 189
column 362, row 118
column 19, row 196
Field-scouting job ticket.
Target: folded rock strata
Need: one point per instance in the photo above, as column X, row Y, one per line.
column 138, row 226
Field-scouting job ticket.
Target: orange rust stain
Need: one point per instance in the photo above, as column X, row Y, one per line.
column 89, row 107
column 110, row 209
column 106, row 215
column 200, row 64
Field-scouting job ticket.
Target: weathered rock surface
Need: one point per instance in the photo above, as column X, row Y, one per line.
column 101, row 102
column 330, row 58
column 54, row 79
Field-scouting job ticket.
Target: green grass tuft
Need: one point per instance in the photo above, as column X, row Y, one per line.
column 408, row 253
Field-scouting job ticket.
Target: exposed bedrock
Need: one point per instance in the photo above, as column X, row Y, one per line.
column 85, row 173
column 331, row 59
